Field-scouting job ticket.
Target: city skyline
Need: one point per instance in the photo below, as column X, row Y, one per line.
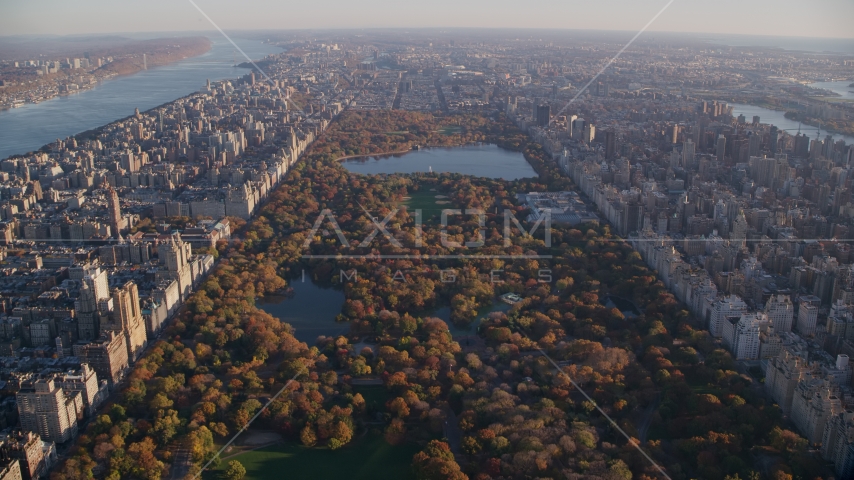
column 777, row 18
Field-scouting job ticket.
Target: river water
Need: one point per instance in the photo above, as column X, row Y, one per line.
column 31, row 126
column 841, row 88
column 777, row 118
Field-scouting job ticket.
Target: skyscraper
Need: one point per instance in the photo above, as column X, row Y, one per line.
column 827, row 148
column 86, row 308
column 780, row 312
column 754, row 145
column 802, row 145
column 688, row 150
column 127, row 318
column 773, row 139
column 610, row 144
column 720, row 148
column 578, row 128
column 175, row 255
column 570, row 121
column 589, row 133
column 114, row 207
column 543, row 115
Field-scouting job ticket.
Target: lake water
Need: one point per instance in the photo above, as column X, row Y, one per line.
column 471, row 329
column 480, row 160
column 311, row 310
column 32, row 126
column 626, row 307
column 777, row 118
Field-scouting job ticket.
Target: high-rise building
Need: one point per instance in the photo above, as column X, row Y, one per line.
column 807, row 319
column 543, row 115
column 739, row 229
column 773, row 139
column 589, row 133
column 783, row 375
column 754, row 145
column 578, row 126
column 26, row 448
column 610, row 144
column 827, row 148
column 127, row 319
column 780, row 312
column 114, row 208
column 816, row 149
column 108, row 356
column 802, row 145
column 814, row 403
column 85, row 381
column 837, row 443
column 631, row 218
column 86, row 309
column 570, row 125
column 688, row 151
column 723, row 308
column 720, row 148
column 44, row 407
column 741, row 335
column 175, row 255
column 10, row 468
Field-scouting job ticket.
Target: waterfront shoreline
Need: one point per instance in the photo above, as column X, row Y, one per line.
column 31, row 127
column 123, row 67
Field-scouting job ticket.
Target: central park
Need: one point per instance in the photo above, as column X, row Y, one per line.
column 391, row 391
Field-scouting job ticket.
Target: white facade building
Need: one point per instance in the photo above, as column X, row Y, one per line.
column 724, row 307
column 781, row 312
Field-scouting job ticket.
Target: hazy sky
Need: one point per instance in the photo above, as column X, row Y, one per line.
column 810, row 18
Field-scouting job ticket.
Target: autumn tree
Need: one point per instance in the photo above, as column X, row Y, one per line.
column 436, row 462
column 234, row 471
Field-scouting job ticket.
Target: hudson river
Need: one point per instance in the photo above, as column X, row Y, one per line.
column 31, row 126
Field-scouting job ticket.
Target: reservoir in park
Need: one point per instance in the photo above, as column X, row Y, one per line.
column 485, row 160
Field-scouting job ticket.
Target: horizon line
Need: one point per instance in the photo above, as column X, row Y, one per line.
column 425, row 28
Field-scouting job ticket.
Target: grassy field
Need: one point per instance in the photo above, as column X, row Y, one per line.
column 426, row 201
column 365, row 458
column 376, row 395
column 451, row 130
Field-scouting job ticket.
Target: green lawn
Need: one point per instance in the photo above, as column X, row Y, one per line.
column 426, row 201
column 451, row 130
column 373, row 394
column 365, row 458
